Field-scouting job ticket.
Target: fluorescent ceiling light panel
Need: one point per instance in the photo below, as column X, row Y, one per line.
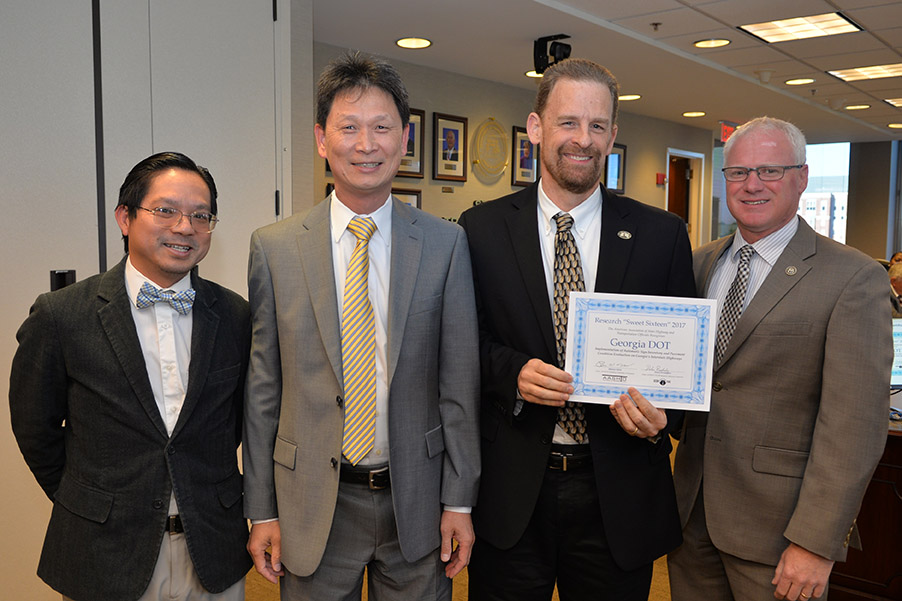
column 875, row 72
column 800, row 28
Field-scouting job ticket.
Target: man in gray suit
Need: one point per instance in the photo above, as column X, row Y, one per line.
column 126, row 401
column 770, row 481
column 361, row 445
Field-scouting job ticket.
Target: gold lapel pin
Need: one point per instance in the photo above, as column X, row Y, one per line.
column 625, row 235
column 791, row 270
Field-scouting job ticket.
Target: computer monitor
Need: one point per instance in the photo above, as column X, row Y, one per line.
column 895, row 380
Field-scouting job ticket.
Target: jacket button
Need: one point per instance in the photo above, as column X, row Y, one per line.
column 546, row 439
column 334, row 462
column 171, row 450
column 717, row 387
column 157, row 504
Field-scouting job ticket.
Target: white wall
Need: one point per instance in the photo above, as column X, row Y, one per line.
column 47, row 194
column 200, row 79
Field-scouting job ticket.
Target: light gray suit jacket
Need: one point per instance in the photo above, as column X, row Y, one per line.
column 294, row 416
column 799, row 406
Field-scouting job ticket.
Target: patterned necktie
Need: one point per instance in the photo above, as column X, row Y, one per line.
column 732, row 306
column 358, row 348
column 568, row 275
column 180, row 301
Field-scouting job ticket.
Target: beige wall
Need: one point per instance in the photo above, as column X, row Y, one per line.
column 869, row 194
column 647, row 139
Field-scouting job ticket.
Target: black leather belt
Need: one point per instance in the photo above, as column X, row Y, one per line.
column 568, row 460
column 175, row 524
column 375, row 479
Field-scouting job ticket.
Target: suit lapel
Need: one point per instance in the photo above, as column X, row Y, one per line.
column 523, row 228
column 204, row 326
column 115, row 316
column 788, row 271
column 618, row 231
column 315, row 257
column 406, row 252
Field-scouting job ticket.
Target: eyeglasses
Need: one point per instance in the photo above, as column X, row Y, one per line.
column 203, row 223
column 766, row 173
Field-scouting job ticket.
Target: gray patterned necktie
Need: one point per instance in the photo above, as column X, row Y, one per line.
column 732, row 306
column 568, row 275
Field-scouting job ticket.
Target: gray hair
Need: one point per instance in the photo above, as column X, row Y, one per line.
column 770, row 124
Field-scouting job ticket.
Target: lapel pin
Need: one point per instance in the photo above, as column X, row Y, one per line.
column 791, row 270
column 625, row 235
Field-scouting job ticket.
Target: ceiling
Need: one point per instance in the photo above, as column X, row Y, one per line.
column 493, row 40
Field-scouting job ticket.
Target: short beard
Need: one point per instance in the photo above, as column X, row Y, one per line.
column 575, row 183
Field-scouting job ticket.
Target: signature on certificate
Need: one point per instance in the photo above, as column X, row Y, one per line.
column 613, row 365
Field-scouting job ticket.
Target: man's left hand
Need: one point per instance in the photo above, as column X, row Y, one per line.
column 456, row 527
column 801, row 574
column 637, row 416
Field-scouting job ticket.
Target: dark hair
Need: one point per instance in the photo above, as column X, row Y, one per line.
column 578, row 69
column 355, row 71
column 134, row 188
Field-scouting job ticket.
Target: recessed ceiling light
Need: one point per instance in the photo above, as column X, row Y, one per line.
column 858, row 107
column 799, row 81
column 414, row 43
column 533, row 74
column 711, row 43
column 874, row 72
column 897, row 102
column 628, row 97
column 895, row 125
column 800, row 28
column 694, row 114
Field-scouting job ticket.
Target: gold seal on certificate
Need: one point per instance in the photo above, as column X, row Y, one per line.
column 661, row 345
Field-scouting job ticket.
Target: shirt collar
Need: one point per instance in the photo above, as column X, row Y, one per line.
column 341, row 215
column 134, row 279
column 582, row 214
column 771, row 246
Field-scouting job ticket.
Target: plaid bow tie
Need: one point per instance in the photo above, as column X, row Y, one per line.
column 180, row 301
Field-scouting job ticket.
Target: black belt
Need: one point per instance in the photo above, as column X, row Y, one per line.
column 175, row 524
column 567, row 459
column 375, row 479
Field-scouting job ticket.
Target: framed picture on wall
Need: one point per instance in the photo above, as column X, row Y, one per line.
column 615, row 169
column 525, row 155
column 412, row 197
column 412, row 161
column 449, row 147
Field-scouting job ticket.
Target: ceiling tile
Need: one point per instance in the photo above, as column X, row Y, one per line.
column 757, row 55
column 877, row 17
column 672, row 22
column 855, row 59
column 610, row 11
column 743, row 12
column 846, row 43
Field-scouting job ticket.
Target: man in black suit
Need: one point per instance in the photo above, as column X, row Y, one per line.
column 578, row 495
column 126, row 400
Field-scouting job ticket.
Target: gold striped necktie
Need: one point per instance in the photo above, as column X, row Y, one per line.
column 568, row 276
column 358, row 348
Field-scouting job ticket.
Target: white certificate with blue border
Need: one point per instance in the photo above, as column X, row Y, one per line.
column 661, row 345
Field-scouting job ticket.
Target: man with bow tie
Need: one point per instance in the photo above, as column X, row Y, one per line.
column 126, row 400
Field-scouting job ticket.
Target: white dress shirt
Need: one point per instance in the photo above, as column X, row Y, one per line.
column 767, row 251
column 343, row 242
column 587, row 233
column 165, row 337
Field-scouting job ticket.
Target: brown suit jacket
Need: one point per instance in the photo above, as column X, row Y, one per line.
column 799, row 405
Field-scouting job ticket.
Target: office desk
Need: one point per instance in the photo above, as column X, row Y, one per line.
column 875, row 574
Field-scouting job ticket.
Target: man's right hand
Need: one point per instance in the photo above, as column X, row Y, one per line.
column 264, row 535
column 544, row 384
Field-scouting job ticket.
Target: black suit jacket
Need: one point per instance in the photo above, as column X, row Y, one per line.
column 85, row 418
column 644, row 250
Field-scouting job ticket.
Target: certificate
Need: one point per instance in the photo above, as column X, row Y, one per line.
column 661, row 345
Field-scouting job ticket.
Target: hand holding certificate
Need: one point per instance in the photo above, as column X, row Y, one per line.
column 663, row 346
